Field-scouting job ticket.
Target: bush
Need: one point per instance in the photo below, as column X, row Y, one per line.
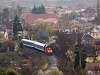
column 10, row 44
column 43, row 62
column 54, row 71
column 11, row 71
column 20, row 45
column 8, row 71
column 7, row 45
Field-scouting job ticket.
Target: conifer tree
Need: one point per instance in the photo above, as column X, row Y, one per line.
column 80, row 57
column 34, row 10
column 81, row 54
column 42, row 9
column 16, row 26
column 77, row 59
column 38, row 10
column 5, row 16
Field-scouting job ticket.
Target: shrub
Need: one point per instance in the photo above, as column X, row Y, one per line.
column 7, row 45
column 54, row 71
column 8, row 71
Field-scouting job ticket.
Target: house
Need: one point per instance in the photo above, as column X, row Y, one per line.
column 97, row 47
column 86, row 26
column 4, row 35
column 95, row 33
column 74, row 29
column 75, row 25
column 68, row 11
column 1, row 34
column 98, row 27
column 32, row 19
column 87, row 38
column 55, row 11
column 93, row 66
column 23, row 34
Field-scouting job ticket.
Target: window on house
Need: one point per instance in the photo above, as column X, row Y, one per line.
column 96, row 34
column 93, row 34
column 73, row 30
column 76, row 30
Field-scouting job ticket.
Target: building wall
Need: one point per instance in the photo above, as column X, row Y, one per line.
column 6, row 35
column 3, row 35
column 95, row 35
column 74, row 29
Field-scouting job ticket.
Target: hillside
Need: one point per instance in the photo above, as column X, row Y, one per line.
column 49, row 3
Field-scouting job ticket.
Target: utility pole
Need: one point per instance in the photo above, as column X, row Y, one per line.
column 1, row 6
column 80, row 51
column 13, row 8
column 1, row 10
column 12, row 5
column 98, row 12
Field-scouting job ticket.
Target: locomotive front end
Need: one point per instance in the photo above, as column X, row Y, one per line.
column 49, row 49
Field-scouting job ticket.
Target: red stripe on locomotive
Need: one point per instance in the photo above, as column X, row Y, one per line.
column 48, row 49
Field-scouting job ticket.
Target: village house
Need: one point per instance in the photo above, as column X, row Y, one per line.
column 95, row 33
column 88, row 14
column 58, row 10
column 75, row 26
column 97, row 47
column 93, row 67
column 64, row 24
column 87, row 38
column 86, row 27
column 4, row 35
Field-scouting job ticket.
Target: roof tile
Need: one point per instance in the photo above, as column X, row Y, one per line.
column 31, row 18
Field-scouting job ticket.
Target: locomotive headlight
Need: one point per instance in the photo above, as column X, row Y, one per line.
column 49, row 49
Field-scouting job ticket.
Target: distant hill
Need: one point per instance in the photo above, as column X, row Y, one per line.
column 50, row 3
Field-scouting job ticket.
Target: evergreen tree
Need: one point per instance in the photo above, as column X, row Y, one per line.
column 34, row 10
column 5, row 15
column 84, row 56
column 16, row 26
column 38, row 10
column 77, row 57
column 80, row 57
column 42, row 9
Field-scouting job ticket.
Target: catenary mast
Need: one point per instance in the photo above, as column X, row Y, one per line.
column 98, row 12
column 1, row 6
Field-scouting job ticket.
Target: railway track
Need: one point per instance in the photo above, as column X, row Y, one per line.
column 53, row 61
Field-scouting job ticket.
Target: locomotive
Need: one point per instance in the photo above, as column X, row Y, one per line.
column 37, row 45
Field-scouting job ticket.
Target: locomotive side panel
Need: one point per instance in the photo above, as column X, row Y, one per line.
column 37, row 45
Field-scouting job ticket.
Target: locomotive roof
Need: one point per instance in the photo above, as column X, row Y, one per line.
column 35, row 42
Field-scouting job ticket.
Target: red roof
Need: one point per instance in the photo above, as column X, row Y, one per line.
column 92, row 66
column 31, row 18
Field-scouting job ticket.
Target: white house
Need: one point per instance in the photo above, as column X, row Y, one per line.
column 95, row 33
column 4, row 35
